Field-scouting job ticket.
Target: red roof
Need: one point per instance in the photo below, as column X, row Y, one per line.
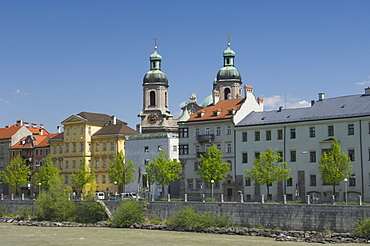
column 9, row 131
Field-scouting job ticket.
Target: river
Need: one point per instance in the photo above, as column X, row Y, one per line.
column 14, row 235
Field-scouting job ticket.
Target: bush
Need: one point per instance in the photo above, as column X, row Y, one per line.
column 362, row 227
column 54, row 207
column 188, row 217
column 2, row 210
column 211, row 200
column 90, row 211
column 128, row 213
column 26, row 211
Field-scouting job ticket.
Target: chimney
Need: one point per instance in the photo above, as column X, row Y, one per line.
column 312, row 102
column 260, row 100
column 229, row 96
column 7, row 126
column 367, row 91
column 321, row 96
column 58, row 129
column 113, row 120
column 41, row 132
column 247, row 89
column 34, row 125
column 19, row 122
column 42, row 126
column 216, row 97
column 138, row 128
column 26, row 124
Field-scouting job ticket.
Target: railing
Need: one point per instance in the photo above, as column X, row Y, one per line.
column 205, row 138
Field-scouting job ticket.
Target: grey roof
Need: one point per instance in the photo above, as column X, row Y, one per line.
column 331, row 108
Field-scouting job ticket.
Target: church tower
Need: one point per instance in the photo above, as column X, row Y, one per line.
column 155, row 116
column 228, row 80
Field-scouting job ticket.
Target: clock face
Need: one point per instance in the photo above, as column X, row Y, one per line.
column 152, row 118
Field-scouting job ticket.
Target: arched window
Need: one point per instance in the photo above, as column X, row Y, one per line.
column 152, row 98
column 226, row 91
column 166, row 99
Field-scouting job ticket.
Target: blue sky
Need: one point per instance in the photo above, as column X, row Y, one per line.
column 58, row 58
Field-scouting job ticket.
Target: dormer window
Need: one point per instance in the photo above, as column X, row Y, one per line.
column 199, row 115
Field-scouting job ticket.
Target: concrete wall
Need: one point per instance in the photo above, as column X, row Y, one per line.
column 314, row 217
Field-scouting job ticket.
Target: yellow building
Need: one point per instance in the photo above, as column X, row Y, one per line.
column 98, row 138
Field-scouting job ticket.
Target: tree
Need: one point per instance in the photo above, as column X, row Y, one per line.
column 16, row 173
column 46, row 172
column 84, row 178
column 268, row 169
column 334, row 166
column 163, row 170
column 121, row 171
column 211, row 166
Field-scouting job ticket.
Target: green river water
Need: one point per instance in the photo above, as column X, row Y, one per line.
column 13, row 235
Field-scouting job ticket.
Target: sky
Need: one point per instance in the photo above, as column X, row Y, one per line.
column 59, row 58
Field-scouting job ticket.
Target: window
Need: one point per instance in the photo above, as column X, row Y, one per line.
column 230, row 165
column 289, row 182
column 60, row 165
column 146, row 162
column 67, row 131
column 352, row 180
column 218, row 146
column 97, row 164
column 67, row 164
column 103, row 179
column 292, row 133
column 312, row 132
column 74, row 147
column 160, row 147
column 293, row 156
column 197, row 132
column 248, row 181
column 197, row 149
column 244, row 136
column 104, row 146
column 54, row 149
column 351, row 129
column 89, row 147
column 313, row 180
column 37, row 152
column 66, row 179
column 330, row 131
column 268, row 135
column 218, row 131
column 46, row 152
column 81, row 147
column 256, row 155
column 97, row 147
column 73, row 164
column 183, row 132
column 244, row 157
column 312, row 156
column 67, row 148
column 104, row 164
column 190, row 184
column 207, row 130
column 279, row 134
column 280, row 153
column 40, row 151
column 196, row 164
column 74, row 130
column 257, row 136
column 81, row 130
column 183, row 149
column 228, row 148
column 228, row 130
column 89, row 130
column 207, row 147
column 111, row 146
column 351, row 154
column 97, row 178
column 146, row 148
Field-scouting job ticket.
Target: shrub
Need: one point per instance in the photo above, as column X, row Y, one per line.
column 211, row 200
column 26, row 211
column 362, row 227
column 90, row 211
column 54, row 207
column 128, row 213
column 188, row 217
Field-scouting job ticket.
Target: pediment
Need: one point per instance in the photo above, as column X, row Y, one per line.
column 73, row 120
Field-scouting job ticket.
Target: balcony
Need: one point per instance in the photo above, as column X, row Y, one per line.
column 206, row 138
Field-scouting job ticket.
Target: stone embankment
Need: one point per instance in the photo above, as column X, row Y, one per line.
column 279, row 235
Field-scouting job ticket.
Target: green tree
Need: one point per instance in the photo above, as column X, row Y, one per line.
column 84, row 178
column 334, row 166
column 163, row 170
column 211, row 166
column 16, row 173
column 121, row 171
column 268, row 169
column 46, row 172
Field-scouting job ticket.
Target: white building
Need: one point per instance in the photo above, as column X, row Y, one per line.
column 301, row 135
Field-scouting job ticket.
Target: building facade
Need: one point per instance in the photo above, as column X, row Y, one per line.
column 301, row 136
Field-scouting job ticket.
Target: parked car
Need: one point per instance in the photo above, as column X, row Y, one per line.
column 100, row 195
column 115, row 197
column 130, row 195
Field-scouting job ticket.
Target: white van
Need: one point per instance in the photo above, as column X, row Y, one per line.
column 100, row 195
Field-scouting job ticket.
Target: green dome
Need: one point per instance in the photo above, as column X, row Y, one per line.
column 228, row 74
column 229, row 52
column 208, row 101
column 155, row 56
column 155, row 77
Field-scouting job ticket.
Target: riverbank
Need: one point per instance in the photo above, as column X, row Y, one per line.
column 278, row 235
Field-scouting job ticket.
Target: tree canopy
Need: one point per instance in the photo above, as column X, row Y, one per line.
column 334, row 166
column 16, row 173
column 46, row 172
column 211, row 166
column 163, row 170
column 84, row 178
column 121, row 171
column 268, row 169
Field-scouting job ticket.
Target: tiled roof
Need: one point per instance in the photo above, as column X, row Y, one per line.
column 98, row 117
column 118, row 129
column 222, row 106
column 38, row 141
column 6, row 133
column 57, row 136
column 331, row 108
column 36, row 130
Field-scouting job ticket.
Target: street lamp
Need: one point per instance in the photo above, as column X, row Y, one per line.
column 345, row 189
column 212, row 182
column 115, row 184
column 39, row 188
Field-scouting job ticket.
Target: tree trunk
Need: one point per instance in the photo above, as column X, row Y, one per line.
column 334, row 191
column 268, row 191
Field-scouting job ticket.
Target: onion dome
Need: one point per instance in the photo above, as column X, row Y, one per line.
column 228, row 72
column 155, row 75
